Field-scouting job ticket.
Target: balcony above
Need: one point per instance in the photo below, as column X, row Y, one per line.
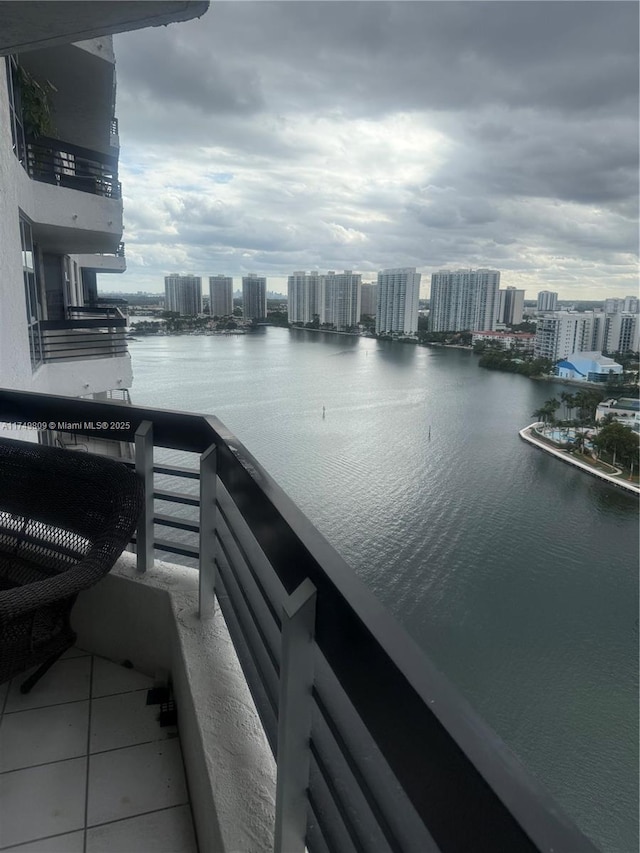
column 63, row 164
column 104, row 262
column 82, row 99
column 72, row 197
column 33, row 26
column 88, row 333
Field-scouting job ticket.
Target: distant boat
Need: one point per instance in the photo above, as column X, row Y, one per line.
column 429, row 432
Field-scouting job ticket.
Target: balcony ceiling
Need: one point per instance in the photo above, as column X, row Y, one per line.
column 33, row 26
column 71, row 240
column 83, row 103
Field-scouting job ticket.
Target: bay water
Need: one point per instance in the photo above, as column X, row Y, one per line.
column 517, row 574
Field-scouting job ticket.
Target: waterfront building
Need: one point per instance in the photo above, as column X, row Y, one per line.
column 547, row 301
column 464, row 300
column 510, row 306
column 398, row 298
column 368, row 299
column 626, row 411
column 183, row 294
column 254, row 297
column 305, row 296
column 588, row 367
column 560, row 333
column 220, row 295
column 622, row 332
column 341, row 300
column 521, row 341
column 563, row 332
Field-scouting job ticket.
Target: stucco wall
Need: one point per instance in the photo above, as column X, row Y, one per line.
column 15, row 360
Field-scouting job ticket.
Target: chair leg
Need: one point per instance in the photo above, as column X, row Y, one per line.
column 28, row 683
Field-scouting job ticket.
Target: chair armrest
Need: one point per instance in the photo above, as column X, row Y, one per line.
column 22, row 600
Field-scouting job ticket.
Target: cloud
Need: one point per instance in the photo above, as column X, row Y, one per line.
column 278, row 136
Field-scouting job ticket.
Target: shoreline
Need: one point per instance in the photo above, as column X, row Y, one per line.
column 526, row 434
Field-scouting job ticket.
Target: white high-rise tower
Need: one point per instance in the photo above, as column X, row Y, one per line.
column 398, row 297
column 464, row 300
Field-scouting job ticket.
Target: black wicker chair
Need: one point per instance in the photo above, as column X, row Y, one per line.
column 65, row 518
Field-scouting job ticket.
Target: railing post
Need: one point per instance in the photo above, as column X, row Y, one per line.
column 144, row 470
column 294, row 719
column 207, row 579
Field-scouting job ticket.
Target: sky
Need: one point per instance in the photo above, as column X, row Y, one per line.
column 272, row 137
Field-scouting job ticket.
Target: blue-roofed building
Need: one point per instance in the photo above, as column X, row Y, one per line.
column 588, row 367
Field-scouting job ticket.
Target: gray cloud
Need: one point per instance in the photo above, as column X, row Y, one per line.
column 275, row 136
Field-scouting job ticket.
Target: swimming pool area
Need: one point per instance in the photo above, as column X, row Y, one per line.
column 565, row 435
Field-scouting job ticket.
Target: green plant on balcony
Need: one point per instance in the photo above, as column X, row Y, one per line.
column 36, row 105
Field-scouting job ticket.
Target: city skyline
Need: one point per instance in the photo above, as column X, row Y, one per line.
column 520, row 156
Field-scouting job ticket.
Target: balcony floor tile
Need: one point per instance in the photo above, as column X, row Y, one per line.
column 66, row 681
column 167, row 831
column 71, row 842
column 130, row 797
column 43, row 735
column 110, row 678
column 135, row 780
column 125, row 720
column 42, row 801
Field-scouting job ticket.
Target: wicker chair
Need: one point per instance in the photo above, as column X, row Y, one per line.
column 65, row 518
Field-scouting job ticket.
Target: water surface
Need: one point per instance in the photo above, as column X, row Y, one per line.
column 517, row 574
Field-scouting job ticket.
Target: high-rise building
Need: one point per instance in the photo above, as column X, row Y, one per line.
column 621, row 332
column 341, row 299
column 398, row 297
column 560, row 333
column 183, row 294
column 305, row 294
column 464, row 300
column 547, row 301
column 510, row 306
column 220, row 295
column 254, row 297
column 628, row 305
column 368, row 300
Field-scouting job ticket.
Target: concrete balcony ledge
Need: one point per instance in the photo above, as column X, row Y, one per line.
column 102, row 263
column 69, row 221
column 83, row 376
column 151, row 620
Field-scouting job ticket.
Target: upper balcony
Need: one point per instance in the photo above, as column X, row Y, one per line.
column 62, row 164
column 85, row 353
column 79, row 81
column 104, row 262
column 89, row 332
column 307, row 716
column 28, row 27
column 72, row 196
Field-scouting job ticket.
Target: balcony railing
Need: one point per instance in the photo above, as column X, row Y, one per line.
column 90, row 332
column 119, row 252
column 375, row 750
column 53, row 161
